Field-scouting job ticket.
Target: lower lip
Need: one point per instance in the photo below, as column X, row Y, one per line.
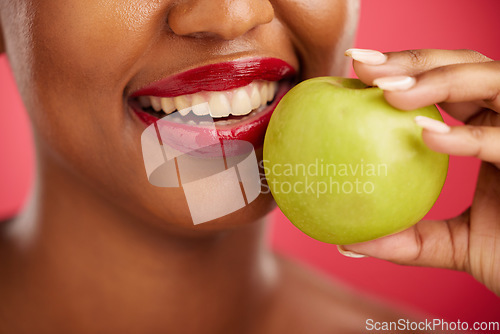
column 251, row 130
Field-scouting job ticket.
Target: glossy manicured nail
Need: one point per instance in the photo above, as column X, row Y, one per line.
column 347, row 253
column 369, row 57
column 397, row 83
column 432, row 125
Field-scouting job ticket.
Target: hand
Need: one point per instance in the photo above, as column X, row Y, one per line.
column 465, row 84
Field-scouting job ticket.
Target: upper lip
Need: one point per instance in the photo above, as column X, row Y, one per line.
column 219, row 77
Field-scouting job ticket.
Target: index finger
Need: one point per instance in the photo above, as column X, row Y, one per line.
column 370, row 64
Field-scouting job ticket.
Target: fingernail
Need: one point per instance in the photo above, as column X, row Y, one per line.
column 369, row 57
column 397, row 83
column 432, row 125
column 347, row 253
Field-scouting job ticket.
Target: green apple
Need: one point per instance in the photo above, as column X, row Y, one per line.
column 345, row 166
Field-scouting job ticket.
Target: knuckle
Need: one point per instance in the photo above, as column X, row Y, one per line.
column 417, row 58
column 458, row 228
column 419, row 242
column 493, row 101
column 476, row 132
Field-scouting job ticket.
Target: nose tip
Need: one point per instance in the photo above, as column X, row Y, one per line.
column 223, row 19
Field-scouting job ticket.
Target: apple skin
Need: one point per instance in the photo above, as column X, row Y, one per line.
column 339, row 124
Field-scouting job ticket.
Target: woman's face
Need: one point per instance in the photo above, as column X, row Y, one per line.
column 78, row 64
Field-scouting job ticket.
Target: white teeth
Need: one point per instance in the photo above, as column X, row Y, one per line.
column 255, row 97
column 167, row 104
column 181, row 102
column 263, row 95
column 272, row 86
column 199, row 105
column 197, row 99
column 219, row 105
column 240, row 104
column 156, row 103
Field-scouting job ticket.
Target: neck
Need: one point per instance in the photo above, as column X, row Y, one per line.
column 101, row 268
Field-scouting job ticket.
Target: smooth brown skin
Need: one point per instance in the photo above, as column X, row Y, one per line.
column 100, row 250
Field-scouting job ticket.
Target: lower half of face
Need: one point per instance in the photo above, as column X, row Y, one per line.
column 99, row 77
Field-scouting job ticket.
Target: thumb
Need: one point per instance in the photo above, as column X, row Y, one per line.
column 442, row 244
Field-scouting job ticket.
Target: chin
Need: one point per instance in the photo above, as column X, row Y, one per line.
column 181, row 224
column 250, row 214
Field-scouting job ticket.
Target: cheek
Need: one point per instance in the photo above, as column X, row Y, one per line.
column 82, row 55
column 75, row 94
column 71, row 37
column 322, row 30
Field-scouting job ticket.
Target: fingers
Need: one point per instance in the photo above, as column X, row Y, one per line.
column 465, row 82
column 450, row 84
column 442, row 244
column 473, row 141
column 371, row 64
column 462, row 82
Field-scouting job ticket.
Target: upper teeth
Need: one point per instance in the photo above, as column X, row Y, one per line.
column 239, row 101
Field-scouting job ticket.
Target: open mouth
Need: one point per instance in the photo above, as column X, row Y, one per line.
column 237, row 98
column 224, row 107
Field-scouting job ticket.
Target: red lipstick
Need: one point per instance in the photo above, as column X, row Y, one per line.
column 222, row 77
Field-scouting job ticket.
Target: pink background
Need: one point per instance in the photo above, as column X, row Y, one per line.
column 385, row 25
